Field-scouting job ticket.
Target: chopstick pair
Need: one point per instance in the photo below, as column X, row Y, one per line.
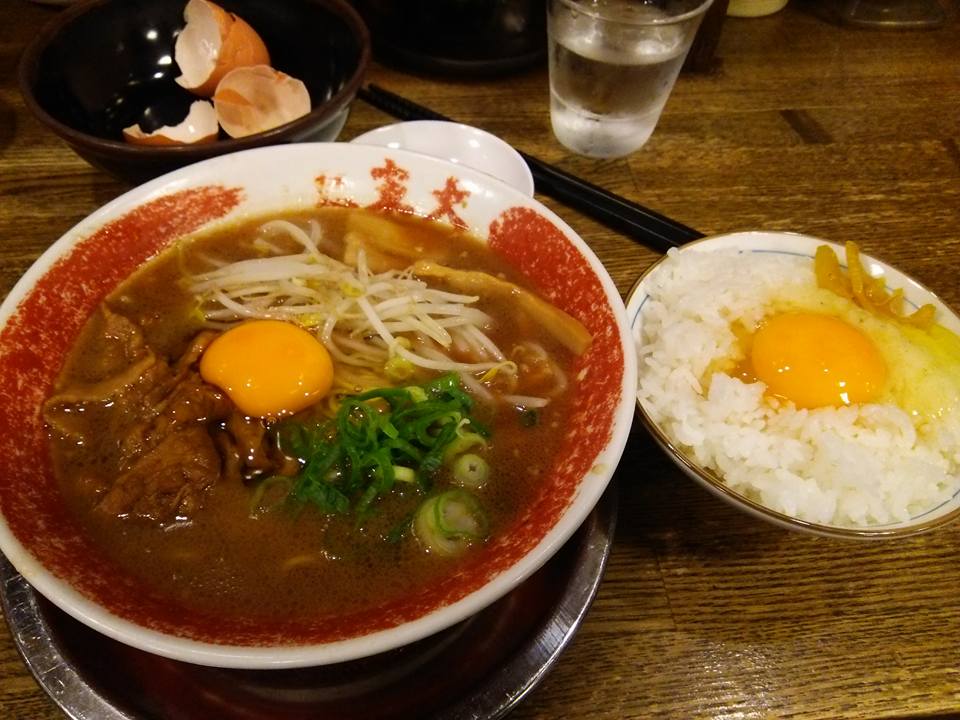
column 646, row 226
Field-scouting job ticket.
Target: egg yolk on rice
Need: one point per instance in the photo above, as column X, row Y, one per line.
column 816, row 360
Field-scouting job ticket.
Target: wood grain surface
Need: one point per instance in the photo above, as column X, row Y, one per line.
column 704, row 612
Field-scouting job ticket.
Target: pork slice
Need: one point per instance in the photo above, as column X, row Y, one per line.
column 121, row 342
column 148, row 422
column 248, row 451
column 249, row 434
column 189, row 401
column 196, row 348
column 166, row 482
column 121, row 370
column 565, row 328
column 113, row 401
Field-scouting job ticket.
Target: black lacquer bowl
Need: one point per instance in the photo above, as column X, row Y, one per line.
column 103, row 65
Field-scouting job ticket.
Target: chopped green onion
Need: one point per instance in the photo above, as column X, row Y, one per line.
column 450, row 522
column 459, row 515
column 378, row 438
column 463, row 442
column 404, row 474
column 471, row 471
column 417, row 394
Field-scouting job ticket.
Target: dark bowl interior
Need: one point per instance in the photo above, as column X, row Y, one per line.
column 103, row 65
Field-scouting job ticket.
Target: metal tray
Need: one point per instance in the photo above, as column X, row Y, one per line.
column 479, row 669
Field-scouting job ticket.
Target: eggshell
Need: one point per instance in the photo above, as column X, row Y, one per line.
column 213, row 43
column 253, row 99
column 199, row 126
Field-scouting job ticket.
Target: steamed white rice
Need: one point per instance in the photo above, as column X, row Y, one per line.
column 851, row 466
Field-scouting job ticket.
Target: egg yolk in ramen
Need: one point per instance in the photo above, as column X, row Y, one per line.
column 816, row 360
column 268, row 368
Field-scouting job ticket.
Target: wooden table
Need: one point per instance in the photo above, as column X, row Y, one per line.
column 704, row 612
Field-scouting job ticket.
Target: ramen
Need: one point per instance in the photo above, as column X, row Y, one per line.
column 310, row 414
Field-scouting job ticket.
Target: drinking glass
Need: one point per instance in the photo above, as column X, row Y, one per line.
column 613, row 64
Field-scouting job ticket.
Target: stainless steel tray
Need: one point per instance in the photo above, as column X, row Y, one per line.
column 479, row 669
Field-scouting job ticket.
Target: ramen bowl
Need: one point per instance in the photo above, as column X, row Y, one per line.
column 837, row 472
column 43, row 315
column 103, row 65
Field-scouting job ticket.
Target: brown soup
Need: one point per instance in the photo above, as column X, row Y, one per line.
column 203, row 544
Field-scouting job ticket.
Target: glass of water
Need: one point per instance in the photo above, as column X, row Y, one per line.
column 613, row 64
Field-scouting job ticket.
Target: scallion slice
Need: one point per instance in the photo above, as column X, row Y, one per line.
column 448, row 523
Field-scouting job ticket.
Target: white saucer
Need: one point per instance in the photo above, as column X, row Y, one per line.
column 457, row 143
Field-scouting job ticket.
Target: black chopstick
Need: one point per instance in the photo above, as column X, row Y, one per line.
column 654, row 230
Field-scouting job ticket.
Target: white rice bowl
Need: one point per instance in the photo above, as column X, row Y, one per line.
column 863, row 466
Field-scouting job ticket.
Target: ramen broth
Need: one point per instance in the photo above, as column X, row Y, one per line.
column 223, row 561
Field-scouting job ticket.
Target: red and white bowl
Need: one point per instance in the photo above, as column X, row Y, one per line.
column 42, row 316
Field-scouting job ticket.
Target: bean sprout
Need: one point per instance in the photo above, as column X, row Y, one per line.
column 363, row 318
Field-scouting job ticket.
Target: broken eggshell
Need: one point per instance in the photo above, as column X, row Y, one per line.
column 258, row 98
column 212, row 43
column 199, row 126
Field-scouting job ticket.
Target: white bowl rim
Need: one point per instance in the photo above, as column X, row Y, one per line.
column 758, row 240
column 581, row 504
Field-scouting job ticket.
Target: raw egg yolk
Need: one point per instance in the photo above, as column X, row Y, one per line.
column 268, row 368
column 816, row 360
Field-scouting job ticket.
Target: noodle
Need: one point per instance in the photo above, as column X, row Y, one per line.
column 359, row 315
